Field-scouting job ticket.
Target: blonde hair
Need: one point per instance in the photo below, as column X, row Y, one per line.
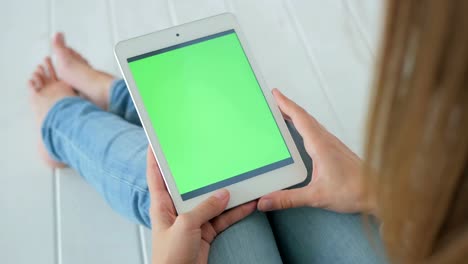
column 417, row 145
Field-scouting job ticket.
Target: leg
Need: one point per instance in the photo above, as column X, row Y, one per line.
column 249, row 241
column 106, row 150
column 310, row 235
column 99, row 87
column 75, row 70
column 45, row 90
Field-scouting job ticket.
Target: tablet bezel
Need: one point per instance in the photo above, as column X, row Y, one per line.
column 245, row 190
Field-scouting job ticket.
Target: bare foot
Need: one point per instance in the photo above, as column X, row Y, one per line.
column 74, row 69
column 45, row 91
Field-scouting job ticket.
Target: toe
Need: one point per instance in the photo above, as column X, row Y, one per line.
column 32, row 85
column 59, row 40
column 42, row 71
column 74, row 53
column 50, row 68
column 38, row 80
column 78, row 55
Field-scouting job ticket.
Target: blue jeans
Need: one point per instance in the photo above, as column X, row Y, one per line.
column 109, row 150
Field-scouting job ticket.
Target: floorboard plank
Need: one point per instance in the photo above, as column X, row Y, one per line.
column 90, row 231
column 370, row 17
column 26, row 199
column 149, row 243
column 146, row 16
column 189, row 10
column 342, row 58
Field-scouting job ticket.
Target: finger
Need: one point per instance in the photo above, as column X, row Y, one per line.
column 233, row 216
column 284, row 199
column 208, row 232
column 209, row 209
column 50, row 68
column 285, row 116
column 154, row 177
column 306, row 125
column 161, row 208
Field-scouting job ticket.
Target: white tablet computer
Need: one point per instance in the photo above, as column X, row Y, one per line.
column 208, row 114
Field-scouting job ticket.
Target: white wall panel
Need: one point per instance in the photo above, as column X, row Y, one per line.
column 26, row 198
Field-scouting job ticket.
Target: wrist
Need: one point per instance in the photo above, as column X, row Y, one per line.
column 369, row 197
column 370, row 205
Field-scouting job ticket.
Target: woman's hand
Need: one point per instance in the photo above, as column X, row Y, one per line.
column 337, row 181
column 186, row 238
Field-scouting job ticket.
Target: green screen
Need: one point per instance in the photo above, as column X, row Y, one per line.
column 209, row 113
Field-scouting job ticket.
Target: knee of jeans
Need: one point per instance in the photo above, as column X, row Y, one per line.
column 59, row 119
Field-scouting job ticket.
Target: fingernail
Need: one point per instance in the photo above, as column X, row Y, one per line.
column 221, row 194
column 266, row 205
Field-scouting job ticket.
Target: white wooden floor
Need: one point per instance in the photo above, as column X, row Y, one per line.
column 321, row 53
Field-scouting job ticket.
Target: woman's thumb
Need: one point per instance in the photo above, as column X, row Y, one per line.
column 283, row 200
column 210, row 208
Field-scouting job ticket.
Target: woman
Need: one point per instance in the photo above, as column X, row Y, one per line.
column 414, row 177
